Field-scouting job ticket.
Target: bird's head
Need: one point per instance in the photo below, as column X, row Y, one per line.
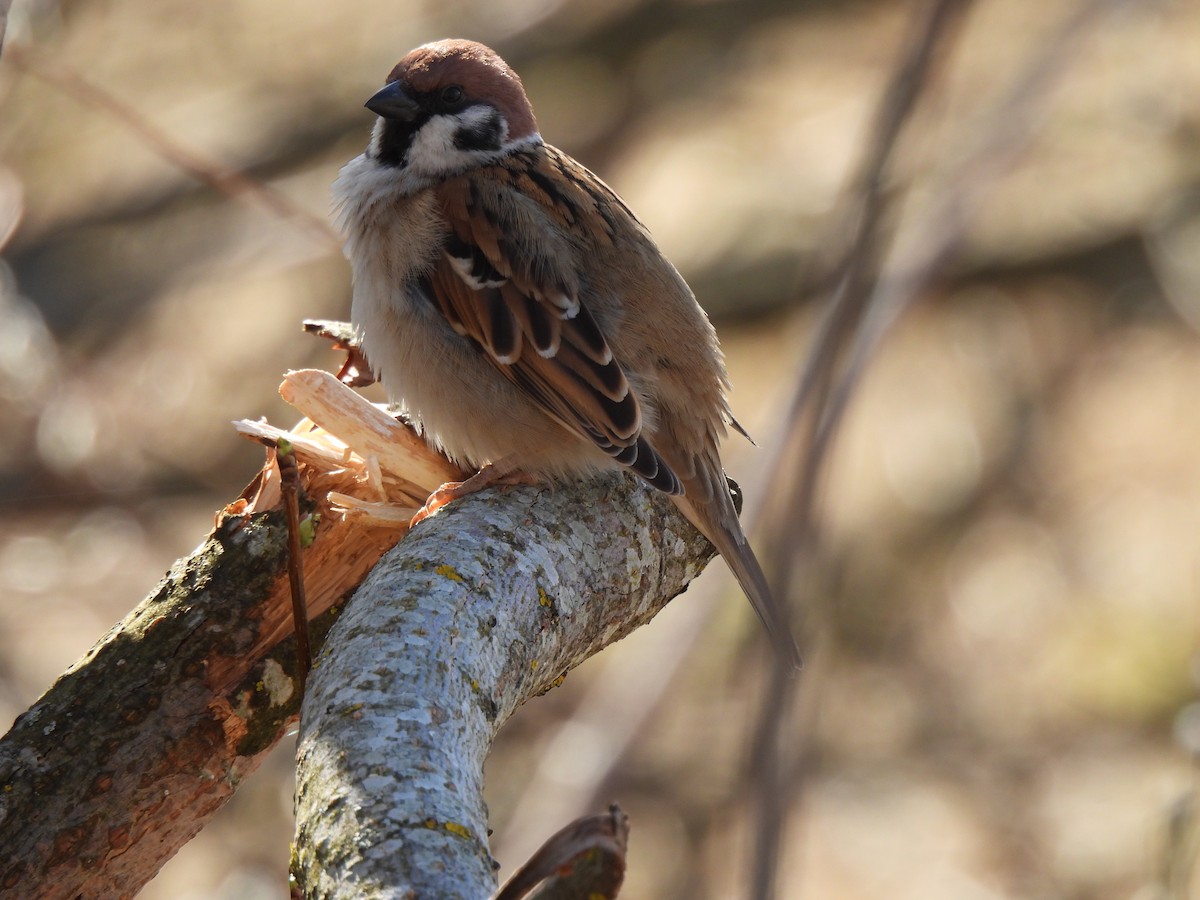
column 447, row 107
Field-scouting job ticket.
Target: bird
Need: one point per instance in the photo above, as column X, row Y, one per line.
column 519, row 312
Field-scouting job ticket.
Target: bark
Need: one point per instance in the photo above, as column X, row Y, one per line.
column 141, row 742
column 129, row 754
column 483, row 606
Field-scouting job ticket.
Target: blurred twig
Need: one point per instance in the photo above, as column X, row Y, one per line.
column 5, row 6
column 921, row 251
column 858, row 271
column 793, row 539
column 234, row 184
column 1181, row 846
column 874, row 288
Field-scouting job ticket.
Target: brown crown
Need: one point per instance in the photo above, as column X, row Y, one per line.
column 478, row 70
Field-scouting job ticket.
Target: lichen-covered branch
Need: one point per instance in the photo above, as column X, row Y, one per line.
column 143, row 740
column 481, row 607
column 136, row 746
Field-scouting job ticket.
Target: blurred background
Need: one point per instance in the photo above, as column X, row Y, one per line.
column 1001, row 692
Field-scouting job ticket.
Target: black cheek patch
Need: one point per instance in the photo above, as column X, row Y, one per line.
column 397, row 137
column 484, row 135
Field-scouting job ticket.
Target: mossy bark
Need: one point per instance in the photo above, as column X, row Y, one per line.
column 135, row 747
column 488, row 603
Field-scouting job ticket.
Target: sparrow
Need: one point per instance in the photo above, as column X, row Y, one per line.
column 519, row 312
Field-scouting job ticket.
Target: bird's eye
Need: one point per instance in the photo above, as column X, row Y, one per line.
column 452, row 96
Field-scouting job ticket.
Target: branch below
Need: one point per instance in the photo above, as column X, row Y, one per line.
column 484, row 605
column 130, row 753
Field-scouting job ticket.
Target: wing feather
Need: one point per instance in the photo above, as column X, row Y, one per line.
column 520, row 302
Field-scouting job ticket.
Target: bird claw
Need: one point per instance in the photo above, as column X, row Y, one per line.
column 449, row 491
column 488, row 476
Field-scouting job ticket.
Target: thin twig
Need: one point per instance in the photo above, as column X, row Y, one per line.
column 586, row 858
column 859, row 269
column 289, row 486
column 772, row 765
column 5, row 6
column 229, row 182
column 865, row 307
column 938, row 234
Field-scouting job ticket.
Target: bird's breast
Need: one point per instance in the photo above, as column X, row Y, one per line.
column 442, row 380
column 391, row 235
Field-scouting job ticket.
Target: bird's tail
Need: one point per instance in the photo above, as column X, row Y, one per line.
column 717, row 520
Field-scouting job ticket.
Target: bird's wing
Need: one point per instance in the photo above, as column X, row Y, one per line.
column 507, row 280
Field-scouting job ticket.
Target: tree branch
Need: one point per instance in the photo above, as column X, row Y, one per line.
column 583, row 859
column 132, row 750
column 142, row 741
column 485, row 605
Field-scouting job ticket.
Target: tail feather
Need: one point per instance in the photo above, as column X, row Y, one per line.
column 717, row 520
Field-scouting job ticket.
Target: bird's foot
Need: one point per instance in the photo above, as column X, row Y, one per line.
column 488, row 476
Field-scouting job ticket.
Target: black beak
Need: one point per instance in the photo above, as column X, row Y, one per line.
column 393, row 103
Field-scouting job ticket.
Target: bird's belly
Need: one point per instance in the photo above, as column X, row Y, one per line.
column 444, row 382
column 461, row 402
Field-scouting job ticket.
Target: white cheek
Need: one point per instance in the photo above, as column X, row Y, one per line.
column 433, row 152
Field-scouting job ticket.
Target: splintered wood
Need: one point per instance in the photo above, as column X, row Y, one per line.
column 364, row 474
column 356, row 458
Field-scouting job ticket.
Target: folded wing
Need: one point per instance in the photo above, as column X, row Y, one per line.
column 518, row 300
